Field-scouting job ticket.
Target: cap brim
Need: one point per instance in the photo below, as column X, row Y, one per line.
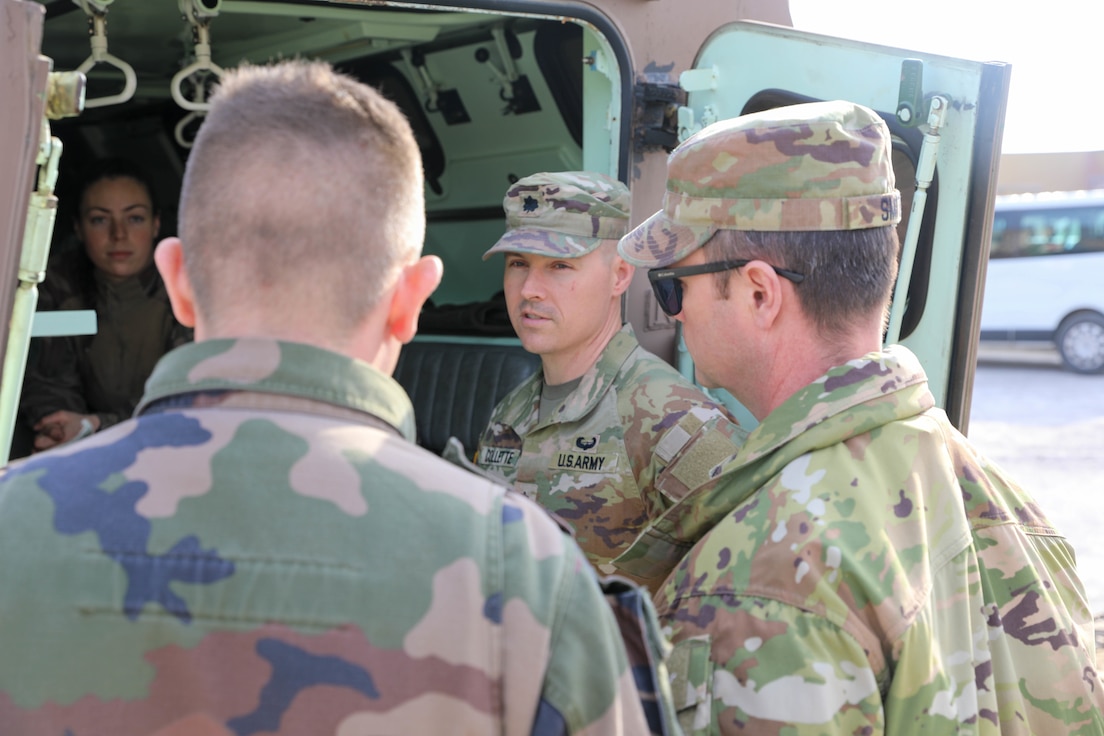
column 659, row 241
column 543, row 243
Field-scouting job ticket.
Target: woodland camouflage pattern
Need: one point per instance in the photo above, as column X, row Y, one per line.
column 860, row 569
column 564, row 214
column 817, row 166
column 264, row 549
column 596, row 461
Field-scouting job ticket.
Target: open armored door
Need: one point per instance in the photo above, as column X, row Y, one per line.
column 745, row 67
column 24, row 143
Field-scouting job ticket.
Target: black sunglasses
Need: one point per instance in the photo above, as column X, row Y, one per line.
column 668, row 288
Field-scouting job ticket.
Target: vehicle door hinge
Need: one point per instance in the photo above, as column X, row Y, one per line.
column 688, row 126
column 706, row 79
column 656, row 115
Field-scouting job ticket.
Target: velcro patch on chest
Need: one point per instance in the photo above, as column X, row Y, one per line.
column 500, row 456
column 586, row 461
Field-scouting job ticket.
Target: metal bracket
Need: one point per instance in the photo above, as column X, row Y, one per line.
column 697, row 80
column 64, row 94
column 509, row 72
column 688, row 125
column 937, row 106
column 428, row 88
column 656, row 115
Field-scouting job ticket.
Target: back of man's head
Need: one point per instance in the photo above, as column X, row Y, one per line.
column 301, row 199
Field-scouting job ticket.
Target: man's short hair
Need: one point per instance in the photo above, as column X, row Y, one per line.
column 304, row 190
column 849, row 273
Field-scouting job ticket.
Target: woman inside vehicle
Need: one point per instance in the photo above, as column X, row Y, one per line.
column 81, row 384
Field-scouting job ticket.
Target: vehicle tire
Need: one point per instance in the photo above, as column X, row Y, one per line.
column 1080, row 342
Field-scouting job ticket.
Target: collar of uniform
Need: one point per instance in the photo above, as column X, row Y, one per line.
column 598, row 380
column 847, row 401
column 144, row 284
column 284, row 368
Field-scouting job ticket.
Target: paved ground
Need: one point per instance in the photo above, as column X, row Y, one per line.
column 1045, row 425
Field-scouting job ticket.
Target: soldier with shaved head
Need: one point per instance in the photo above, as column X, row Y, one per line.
column 263, row 549
column 858, row 568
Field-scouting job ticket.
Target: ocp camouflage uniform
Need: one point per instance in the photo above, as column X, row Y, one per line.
column 263, row 549
column 858, row 568
column 1099, row 623
column 950, row 607
column 596, row 460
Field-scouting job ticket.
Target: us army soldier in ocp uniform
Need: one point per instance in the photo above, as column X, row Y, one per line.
column 858, row 568
column 263, row 549
column 606, row 435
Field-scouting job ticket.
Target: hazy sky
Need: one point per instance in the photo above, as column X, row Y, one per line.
column 1054, row 102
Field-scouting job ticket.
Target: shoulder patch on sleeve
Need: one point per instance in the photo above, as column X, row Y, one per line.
column 697, row 453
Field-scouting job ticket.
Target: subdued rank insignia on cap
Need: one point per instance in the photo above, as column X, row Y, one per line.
column 890, row 207
column 530, row 204
column 584, row 444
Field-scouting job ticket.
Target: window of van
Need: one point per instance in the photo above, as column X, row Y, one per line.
column 1046, row 267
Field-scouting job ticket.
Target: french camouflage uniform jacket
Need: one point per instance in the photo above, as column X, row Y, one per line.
column 596, row 461
column 263, row 549
column 860, row 569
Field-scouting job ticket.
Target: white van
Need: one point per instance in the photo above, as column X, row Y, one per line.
column 1045, row 280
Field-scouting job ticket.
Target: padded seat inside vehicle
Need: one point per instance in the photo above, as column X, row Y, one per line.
column 455, row 384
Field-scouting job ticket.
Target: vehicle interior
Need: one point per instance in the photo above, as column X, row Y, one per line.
column 492, row 96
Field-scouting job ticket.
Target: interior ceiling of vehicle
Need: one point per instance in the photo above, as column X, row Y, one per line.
column 158, row 41
column 490, row 97
column 463, row 78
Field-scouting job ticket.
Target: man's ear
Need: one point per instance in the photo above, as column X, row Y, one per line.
column 623, row 272
column 416, row 282
column 169, row 256
column 766, row 291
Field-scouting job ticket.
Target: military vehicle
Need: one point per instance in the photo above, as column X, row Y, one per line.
column 495, row 90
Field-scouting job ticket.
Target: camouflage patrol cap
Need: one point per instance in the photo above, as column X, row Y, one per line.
column 814, row 166
column 565, row 214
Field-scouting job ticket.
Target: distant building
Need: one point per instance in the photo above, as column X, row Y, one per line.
column 1050, row 172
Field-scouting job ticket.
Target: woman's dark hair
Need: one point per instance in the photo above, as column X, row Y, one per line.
column 114, row 168
column 75, row 266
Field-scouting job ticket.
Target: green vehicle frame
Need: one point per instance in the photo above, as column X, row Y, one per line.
column 496, row 90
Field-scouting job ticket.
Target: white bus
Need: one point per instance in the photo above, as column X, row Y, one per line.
column 1045, row 280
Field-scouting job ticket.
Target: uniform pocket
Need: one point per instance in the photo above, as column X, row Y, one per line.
column 691, row 672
